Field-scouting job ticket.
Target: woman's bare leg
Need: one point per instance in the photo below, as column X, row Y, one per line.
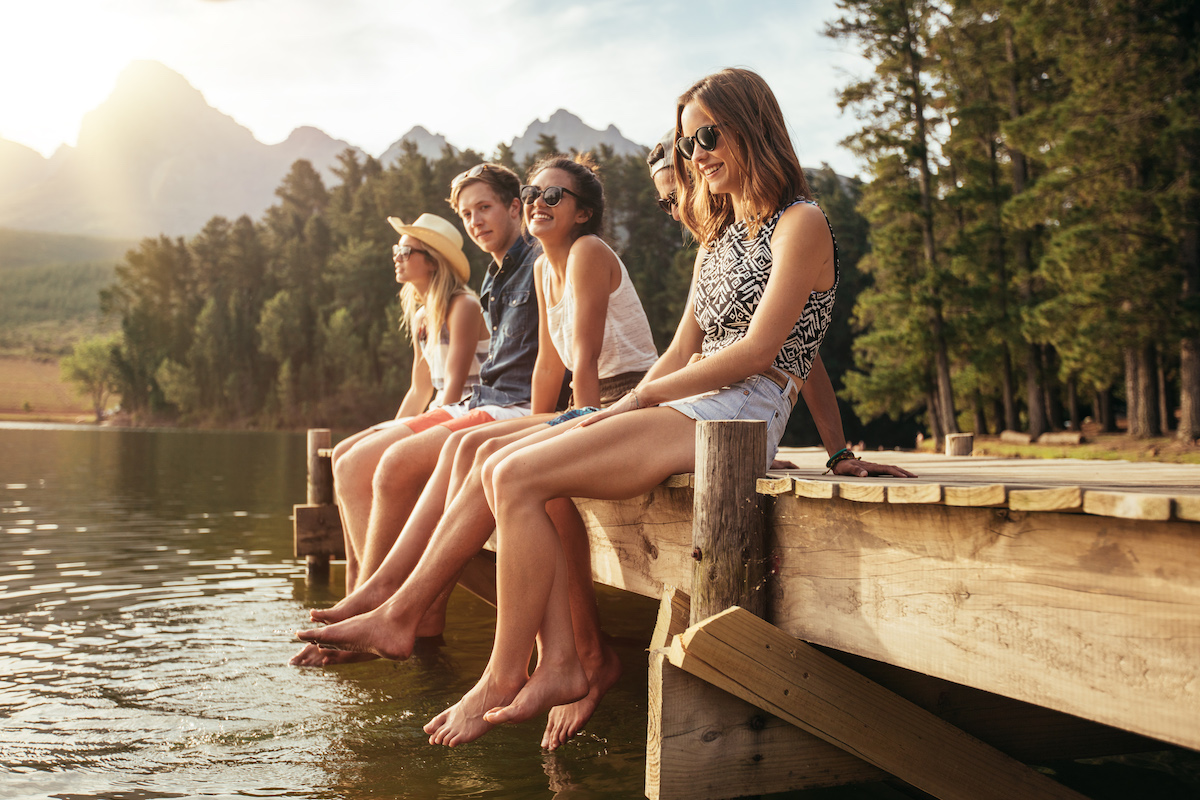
column 594, row 461
column 391, row 629
column 409, row 546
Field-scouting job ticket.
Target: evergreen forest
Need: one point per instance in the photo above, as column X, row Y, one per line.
column 1022, row 254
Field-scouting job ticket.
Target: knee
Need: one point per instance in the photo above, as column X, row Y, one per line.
column 348, row 471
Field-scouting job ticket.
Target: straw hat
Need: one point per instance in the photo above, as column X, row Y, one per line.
column 441, row 235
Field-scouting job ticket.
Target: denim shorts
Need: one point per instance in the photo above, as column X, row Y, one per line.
column 764, row 397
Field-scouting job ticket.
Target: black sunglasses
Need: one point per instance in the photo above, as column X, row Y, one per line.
column 668, row 202
column 405, row 251
column 706, row 137
column 551, row 195
column 473, row 172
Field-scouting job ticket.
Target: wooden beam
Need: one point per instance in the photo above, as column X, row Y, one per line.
column 993, row 494
column 752, row 659
column 320, row 492
column 728, row 527
column 1092, row 616
column 1129, row 505
column 317, row 531
column 1063, row 498
column 915, row 493
column 703, row 742
column 866, row 492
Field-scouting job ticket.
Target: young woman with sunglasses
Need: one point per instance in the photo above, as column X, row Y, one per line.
column 765, row 279
column 450, row 341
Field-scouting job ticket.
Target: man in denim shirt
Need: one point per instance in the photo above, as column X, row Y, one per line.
column 377, row 498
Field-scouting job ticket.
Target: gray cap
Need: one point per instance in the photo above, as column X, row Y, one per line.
column 662, row 154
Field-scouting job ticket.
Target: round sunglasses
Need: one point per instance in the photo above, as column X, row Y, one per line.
column 705, row 136
column 405, row 251
column 668, row 202
column 551, row 195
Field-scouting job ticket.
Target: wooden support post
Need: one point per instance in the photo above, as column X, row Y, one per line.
column 960, row 444
column 703, row 743
column 761, row 664
column 728, row 528
column 320, row 491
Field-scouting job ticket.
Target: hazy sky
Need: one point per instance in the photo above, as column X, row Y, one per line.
column 478, row 72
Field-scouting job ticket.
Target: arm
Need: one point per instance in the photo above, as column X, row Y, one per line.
column 590, row 269
column 420, row 387
column 548, row 369
column 822, row 405
column 464, row 321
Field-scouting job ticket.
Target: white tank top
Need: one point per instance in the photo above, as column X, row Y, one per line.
column 437, row 349
column 628, row 345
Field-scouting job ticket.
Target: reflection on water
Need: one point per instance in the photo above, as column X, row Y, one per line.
column 147, row 600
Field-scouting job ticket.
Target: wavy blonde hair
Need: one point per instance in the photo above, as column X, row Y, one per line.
column 756, row 137
column 444, row 286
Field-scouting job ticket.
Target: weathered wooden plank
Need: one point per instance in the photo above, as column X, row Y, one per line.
column 1129, row 505
column 774, row 484
column 643, row 543
column 994, row 494
column 1093, row 616
column 761, row 664
column 819, row 490
column 1015, row 437
column 1062, row 498
column 915, row 493
column 703, row 742
column 865, row 492
column 1187, row 507
column 684, row 480
column 317, row 531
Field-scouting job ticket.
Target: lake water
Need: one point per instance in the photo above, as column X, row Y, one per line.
column 148, row 597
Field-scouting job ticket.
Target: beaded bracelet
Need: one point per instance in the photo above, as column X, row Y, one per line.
column 845, row 454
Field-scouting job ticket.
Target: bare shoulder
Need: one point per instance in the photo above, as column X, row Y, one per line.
column 590, row 248
column 464, row 302
column 804, row 219
column 591, row 258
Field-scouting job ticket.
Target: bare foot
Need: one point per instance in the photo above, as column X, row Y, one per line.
column 567, row 720
column 313, row 656
column 382, row 632
column 463, row 722
column 549, row 686
column 368, row 597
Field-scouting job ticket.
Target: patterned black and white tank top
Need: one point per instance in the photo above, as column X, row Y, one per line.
column 731, row 282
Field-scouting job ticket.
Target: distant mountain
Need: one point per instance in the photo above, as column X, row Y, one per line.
column 428, row 145
column 154, row 158
column 571, row 132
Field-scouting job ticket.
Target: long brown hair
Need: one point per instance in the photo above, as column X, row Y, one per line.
column 749, row 117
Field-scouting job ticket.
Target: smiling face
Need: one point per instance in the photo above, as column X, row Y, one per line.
column 491, row 224
column 715, row 167
column 560, row 221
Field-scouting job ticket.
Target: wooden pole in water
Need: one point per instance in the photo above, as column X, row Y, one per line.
column 728, row 526
column 320, row 489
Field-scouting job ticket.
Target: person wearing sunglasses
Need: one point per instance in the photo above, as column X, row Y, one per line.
column 765, row 279
column 590, row 322
column 662, row 172
column 377, row 492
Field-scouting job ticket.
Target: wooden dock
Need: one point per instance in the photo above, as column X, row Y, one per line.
column 943, row 629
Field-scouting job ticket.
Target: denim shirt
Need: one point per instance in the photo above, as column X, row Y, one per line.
column 510, row 304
